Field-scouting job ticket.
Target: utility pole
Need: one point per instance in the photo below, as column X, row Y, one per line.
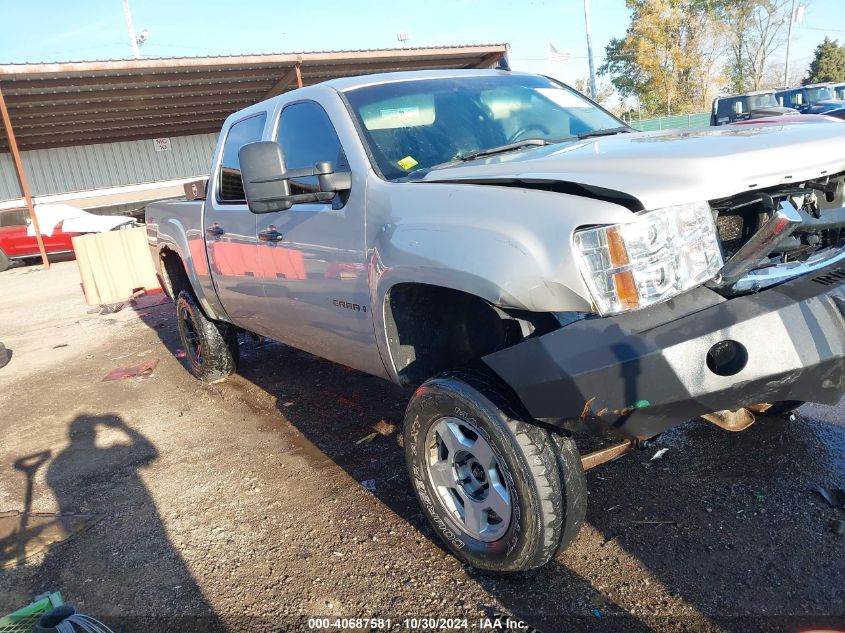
column 133, row 40
column 788, row 43
column 590, row 48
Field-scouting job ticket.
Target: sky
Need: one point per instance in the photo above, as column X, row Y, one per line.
column 60, row 30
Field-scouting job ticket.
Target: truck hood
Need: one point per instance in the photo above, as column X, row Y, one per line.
column 773, row 111
column 672, row 167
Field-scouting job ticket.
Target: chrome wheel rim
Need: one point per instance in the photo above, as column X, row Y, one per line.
column 468, row 479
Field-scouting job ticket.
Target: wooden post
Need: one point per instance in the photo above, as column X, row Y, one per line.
column 280, row 86
column 16, row 157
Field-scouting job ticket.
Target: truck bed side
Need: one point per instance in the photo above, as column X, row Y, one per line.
column 176, row 238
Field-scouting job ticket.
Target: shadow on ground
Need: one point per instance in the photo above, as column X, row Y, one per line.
column 723, row 524
column 97, row 483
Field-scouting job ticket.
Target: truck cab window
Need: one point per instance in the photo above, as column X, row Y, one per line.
column 308, row 137
column 14, row 218
column 243, row 132
column 724, row 108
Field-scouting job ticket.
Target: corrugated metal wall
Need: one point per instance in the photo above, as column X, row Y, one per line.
column 86, row 167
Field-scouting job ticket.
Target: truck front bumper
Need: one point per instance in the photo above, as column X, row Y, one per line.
column 635, row 378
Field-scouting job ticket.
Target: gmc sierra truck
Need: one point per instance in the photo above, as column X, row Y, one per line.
column 533, row 265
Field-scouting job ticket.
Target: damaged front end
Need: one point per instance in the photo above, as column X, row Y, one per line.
column 767, row 328
column 770, row 236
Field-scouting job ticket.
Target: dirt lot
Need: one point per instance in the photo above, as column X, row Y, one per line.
column 239, row 506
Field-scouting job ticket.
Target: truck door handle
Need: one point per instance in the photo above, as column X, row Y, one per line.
column 215, row 230
column 270, row 235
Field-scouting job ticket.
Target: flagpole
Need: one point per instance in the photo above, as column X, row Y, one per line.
column 589, row 27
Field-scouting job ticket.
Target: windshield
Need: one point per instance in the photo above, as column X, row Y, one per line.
column 756, row 102
column 818, row 94
column 417, row 124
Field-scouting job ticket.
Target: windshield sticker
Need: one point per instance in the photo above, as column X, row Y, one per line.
column 400, row 114
column 407, row 163
column 563, row 98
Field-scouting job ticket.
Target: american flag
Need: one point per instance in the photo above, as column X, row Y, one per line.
column 556, row 55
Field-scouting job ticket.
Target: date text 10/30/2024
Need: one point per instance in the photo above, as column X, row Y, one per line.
column 423, row 623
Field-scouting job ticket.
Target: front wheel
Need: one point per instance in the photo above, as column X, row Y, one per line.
column 503, row 494
column 211, row 347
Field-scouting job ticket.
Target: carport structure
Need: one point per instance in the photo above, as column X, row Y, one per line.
column 77, row 103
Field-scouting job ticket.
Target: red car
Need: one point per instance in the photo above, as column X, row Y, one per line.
column 16, row 244
column 58, row 223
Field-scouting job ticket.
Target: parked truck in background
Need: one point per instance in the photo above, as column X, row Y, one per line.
column 534, row 266
column 813, row 99
column 728, row 109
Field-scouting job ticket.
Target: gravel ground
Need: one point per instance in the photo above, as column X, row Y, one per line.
column 239, row 506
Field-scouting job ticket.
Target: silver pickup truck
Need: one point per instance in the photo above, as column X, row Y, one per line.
column 532, row 264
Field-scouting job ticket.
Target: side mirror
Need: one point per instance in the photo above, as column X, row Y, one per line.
column 263, row 174
column 267, row 182
column 330, row 180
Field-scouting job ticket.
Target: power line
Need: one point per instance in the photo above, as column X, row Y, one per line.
column 822, row 28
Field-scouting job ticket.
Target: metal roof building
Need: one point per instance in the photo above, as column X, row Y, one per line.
column 122, row 132
column 64, row 104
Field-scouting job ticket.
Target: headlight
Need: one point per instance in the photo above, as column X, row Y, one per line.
column 658, row 255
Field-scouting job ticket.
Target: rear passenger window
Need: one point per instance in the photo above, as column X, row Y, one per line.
column 14, row 218
column 243, row 132
column 307, row 137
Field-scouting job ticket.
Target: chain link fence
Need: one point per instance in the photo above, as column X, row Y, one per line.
column 680, row 121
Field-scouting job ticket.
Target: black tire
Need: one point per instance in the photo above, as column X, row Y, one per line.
column 4, row 355
column 211, row 347
column 4, row 261
column 542, row 474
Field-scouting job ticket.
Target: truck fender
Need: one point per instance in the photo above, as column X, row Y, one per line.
column 189, row 246
column 508, row 273
column 505, row 270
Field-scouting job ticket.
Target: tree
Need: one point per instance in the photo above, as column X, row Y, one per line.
column 755, row 30
column 604, row 91
column 668, row 57
column 774, row 77
column 828, row 63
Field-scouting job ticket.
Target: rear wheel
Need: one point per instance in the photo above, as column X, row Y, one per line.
column 501, row 492
column 4, row 261
column 211, row 347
